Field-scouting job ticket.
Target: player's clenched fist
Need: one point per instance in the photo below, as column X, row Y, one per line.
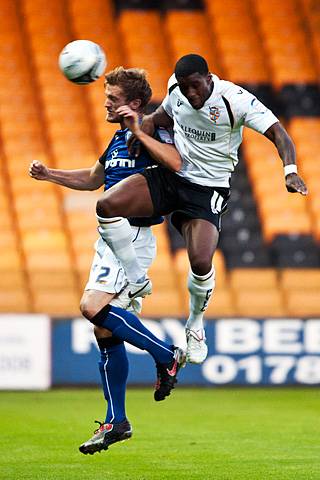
column 38, row 170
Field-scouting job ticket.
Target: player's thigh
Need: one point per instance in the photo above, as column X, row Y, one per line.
column 106, row 272
column 201, row 237
column 128, row 198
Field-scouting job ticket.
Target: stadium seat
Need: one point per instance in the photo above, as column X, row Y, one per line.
column 304, row 279
column 63, row 302
column 146, row 49
column 14, row 300
column 253, row 279
column 185, row 28
column 221, row 304
column 241, row 55
column 303, row 303
column 260, row 303
column 285, row 42
column 163, row 303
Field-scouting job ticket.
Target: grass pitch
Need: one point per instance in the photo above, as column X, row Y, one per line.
column 218, row 434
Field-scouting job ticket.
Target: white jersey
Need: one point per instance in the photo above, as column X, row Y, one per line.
column 208, row 139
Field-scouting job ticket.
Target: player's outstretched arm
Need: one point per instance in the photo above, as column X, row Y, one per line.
column 279, row 136
column 163, row 153
column 82, row 179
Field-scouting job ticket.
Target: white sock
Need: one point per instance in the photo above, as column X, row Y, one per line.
column 117, row 233
column 200, row 289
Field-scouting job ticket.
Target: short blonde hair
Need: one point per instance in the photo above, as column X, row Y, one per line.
column 133, row 82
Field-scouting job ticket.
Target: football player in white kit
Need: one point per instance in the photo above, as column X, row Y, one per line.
column 208, row 116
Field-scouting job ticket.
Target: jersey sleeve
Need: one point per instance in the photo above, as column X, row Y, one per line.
column 251, row 112
column 166, row 103
column 164, row 135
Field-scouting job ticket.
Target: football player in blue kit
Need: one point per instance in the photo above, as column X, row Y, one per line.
column 106, row 295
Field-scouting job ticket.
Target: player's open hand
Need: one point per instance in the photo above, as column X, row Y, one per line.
column 295, row 184
column 38, row 170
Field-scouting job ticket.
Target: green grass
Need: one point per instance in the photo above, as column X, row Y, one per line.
column 219, row 434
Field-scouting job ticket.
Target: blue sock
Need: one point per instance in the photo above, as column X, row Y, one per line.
column 114, row 368
column 126, row 326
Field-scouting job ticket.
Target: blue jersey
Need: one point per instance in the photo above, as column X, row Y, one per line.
column 119, row 164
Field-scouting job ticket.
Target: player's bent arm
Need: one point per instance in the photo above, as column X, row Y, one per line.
column 163, row 153
column 286, row 150
column 159, row 118
column 80, row 179
column 279, row 136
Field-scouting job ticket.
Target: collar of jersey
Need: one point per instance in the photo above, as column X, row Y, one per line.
column 122, row 131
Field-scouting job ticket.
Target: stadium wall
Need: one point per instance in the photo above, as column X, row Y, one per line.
column 38, row 352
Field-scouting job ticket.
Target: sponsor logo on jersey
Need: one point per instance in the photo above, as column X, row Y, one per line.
column 214, row 113
column 197, row 134
column 179, row 102
column 120, row 162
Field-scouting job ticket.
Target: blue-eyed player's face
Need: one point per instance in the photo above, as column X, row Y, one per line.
column 115, row 98
column 196, row 88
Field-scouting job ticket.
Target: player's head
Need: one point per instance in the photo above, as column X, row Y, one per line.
column 126, row 86
column 194, row 79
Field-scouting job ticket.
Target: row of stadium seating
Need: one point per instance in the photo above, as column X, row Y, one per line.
column 47, row 232
column 51, row 287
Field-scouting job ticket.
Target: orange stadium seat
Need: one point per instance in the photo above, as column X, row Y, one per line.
column 253, row 278
column 242, row 56
column 285, row 42
column 260, row 303
column 144, row 48
column 163, row 303
column 300, row 278
column 186, row 28
column 64, row 302
column 221, row 304
column 15, row 300
column 286, row 223
column 303, row 303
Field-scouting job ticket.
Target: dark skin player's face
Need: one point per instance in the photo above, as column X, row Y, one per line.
column 196, row 88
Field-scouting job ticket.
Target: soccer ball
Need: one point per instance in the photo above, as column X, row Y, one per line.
column 82, row 61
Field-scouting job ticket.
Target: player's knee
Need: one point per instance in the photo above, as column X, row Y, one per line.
column 200, row 265
column 87, row 309
column 106, row 207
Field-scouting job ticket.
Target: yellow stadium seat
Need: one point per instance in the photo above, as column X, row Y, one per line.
column 164, row 303
column 286, row 223
column 221, row 304
column 253, row 278
column 260, row 303
column 12, row 279
column 14, row 300
column 303, row 303
column 52, row 280
column 64, row 302
column 300, row 278
column 53, row 260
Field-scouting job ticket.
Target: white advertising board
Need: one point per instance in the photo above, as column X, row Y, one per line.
column 25, row 352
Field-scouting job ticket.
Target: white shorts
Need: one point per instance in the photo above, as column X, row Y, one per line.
column 107, row 274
